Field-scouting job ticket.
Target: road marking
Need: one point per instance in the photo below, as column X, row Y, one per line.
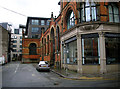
column 17, row 68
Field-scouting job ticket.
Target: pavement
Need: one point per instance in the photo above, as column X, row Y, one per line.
column 68, row 74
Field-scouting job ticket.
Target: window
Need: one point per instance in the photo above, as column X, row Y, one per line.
column 14, row 41
column 20, row 46
column 16, row 31
column 35, row 29
column 14, row 46
column 90, row 51
column 35, row 22
column 70, row 20
column 20, row 41
column 20, row 37
column 88, row 12
column 20, row 50
column 42, row 22
column 71, row 52
column 14, row 50
column 58, row 38
column 48, row 22
column 32, row 49
column 113, row 13
column 112, row 50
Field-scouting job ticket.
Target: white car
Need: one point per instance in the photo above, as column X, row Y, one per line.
column 2, row 60
column 43, row 65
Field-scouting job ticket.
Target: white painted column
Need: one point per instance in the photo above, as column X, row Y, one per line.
column 79, row 53
column 102, row 53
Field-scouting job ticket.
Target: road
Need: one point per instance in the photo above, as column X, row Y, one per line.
column 16, row 74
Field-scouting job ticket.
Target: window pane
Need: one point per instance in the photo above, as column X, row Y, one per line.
column 87, row 12
column 48, row 22
column 112, row 47
column 82, row 15
column 93, row 13
column 70, row 20
column 91, row 51
column 115, row 9
column 35, row 22
column 87, row 3
column 35, row 29
column 71, row 51
column 110, row 17
column 42, row 22
column 110, row 9
column 116, row 18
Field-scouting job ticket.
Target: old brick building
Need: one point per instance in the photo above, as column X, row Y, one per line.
column 35, row 27
column 84, row 37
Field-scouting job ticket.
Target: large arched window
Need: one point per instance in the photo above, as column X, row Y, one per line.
column 113, row 13
column 45, row 47
column 70, row 19
column 48, row 44
column 88, row 12
column 58, row 38
column 32, row 49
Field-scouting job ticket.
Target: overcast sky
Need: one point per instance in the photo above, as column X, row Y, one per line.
column 34, row 8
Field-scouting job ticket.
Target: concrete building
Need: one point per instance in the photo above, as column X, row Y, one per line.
column 4, row 43
column 16, row 39
column 7, row 27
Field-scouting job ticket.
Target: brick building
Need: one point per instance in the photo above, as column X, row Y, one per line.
column 35, row 27
column 85, row 37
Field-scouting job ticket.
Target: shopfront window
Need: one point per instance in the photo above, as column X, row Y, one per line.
column 90, row 51
column 112, row 50
column 71, row 52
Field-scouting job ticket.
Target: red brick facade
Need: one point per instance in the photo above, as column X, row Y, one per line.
column 45, row 44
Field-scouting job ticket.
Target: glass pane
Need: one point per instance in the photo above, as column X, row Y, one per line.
column 112, row 47
column 91, row 51
column 110, row 17
column 42, row 22
column 116, row 18
column 92, row 4
column 110, row 9
column 87, row 3
column 93, row 13
column 87, row 10
column 115, row 9
column 71, row 20
column 82, row 15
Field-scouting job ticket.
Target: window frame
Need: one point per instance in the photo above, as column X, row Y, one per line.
column 83, row 9
column 113, row 5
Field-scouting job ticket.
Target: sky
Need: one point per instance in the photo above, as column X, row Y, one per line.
column 33, row 8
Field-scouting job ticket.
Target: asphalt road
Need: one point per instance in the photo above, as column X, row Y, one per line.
column 16, row 74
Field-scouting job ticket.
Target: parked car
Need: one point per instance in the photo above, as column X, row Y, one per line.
column 43, row 65
column 2, row 60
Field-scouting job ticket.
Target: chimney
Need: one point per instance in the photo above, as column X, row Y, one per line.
column 51, row 14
